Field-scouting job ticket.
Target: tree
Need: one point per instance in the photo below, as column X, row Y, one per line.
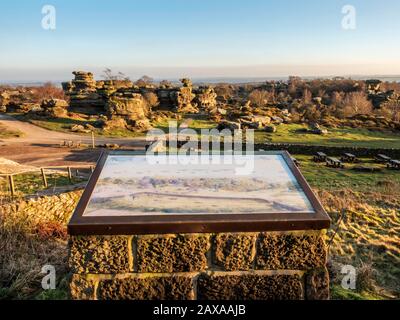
column 165, row 83
column 144, row 81
column 47, row 91
column 307, row 96
column 261, row 97
column 391, row 110
column 109, row 75
column 151, row 99
column 357, row 103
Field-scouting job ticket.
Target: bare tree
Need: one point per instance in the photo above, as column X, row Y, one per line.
column 261, row 97
column 151, row 99
column 357, row 103
column 144, row 81
column 109, row 75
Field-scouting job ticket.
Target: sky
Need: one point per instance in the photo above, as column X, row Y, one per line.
column 200, row 39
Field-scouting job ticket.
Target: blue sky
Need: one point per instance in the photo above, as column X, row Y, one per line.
column 172, row 38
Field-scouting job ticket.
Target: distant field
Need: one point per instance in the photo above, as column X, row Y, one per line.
column 6, row 133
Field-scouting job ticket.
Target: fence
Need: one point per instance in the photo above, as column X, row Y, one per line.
column 69, row 169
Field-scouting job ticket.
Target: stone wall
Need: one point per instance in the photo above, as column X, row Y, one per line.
column 267, row 265
column 44, row 208
column 329, row 150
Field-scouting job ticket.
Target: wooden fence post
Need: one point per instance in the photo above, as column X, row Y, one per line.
column 93, row 144
column 44, row 178
column 69, row 174
column 12, row 186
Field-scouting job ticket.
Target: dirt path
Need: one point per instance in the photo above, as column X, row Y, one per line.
column 37, row 135
column 41, row 147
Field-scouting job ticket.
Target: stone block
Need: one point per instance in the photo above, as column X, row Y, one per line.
column 290, row 251
column 172, row 253
column 317, row 284
column 100, row 254
column 234, row 251
column 169, row 287
column 250, row 286
column 81, row 288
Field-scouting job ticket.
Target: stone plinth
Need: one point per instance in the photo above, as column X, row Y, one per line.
column 238, row 266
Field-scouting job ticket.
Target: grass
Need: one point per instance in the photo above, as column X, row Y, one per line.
column 330, row 179
column 31, row 183
column 64, row 125
column 28, row 242
column 368, row 235
column 6, row 133
column 286, row 133
column 351, row 137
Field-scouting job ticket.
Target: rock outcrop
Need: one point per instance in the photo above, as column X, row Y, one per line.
column 183, row 97
column 54, row 108
column 206, row 99
column 83, row 94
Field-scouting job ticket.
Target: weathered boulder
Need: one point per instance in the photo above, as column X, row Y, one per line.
column 131, row 107
column 141, row 125
column 79, row 129
column 24, row 107
column 317, row 129
column 270, row 129
column 115, row 123
column 229, row 125
column 206, row 98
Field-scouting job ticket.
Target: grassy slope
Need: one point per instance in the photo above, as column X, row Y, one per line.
column 31, row 183
column 368, row 237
